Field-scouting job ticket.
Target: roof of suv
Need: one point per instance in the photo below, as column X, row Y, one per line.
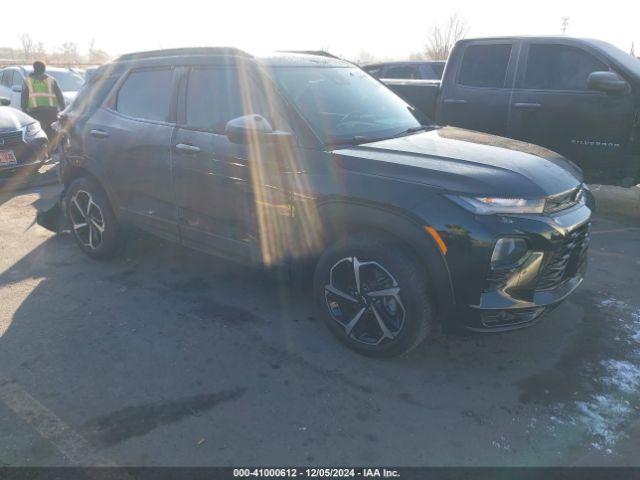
column 273, row 59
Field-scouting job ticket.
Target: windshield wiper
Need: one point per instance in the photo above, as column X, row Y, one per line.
column 411, row 130
column 357, row 140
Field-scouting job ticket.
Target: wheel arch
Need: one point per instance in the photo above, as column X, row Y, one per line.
column 339, row 219
column 77, row 167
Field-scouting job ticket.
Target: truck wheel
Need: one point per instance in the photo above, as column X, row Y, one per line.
column 374, row 296
column 91, row 218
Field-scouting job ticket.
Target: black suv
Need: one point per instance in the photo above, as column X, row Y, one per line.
column 307, row 163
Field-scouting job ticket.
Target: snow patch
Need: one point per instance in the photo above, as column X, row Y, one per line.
column 623, row 375
column 605, row 414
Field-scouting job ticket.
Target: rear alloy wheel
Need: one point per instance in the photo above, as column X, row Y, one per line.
column 94, row 226
column 374, row 296
column 87, row 220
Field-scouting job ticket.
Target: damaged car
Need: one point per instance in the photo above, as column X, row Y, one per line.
column 306, row 163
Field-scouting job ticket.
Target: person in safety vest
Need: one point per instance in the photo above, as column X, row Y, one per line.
column 41, row 97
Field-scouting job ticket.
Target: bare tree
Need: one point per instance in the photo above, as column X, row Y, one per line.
column 443, row 36
column 96, row 55
column 68, row 53
column 364, row 58
column 39, row 51
column 28, row 45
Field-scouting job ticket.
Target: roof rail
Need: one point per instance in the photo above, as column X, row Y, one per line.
column 172, row 52
column 320, row 53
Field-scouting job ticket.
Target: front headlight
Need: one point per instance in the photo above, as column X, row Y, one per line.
column 491, row 205
column 32, row 129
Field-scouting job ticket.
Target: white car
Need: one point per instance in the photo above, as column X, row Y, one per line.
column 12, row 78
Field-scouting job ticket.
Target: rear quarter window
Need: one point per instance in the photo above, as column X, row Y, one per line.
column 485, row 65
column 93, row 94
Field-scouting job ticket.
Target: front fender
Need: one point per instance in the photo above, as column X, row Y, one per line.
column 340, row 218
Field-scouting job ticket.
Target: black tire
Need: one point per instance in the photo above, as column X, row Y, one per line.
column 405, row 271
column 87, row 237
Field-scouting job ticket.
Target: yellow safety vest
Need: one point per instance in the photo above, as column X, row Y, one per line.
column 41, row 93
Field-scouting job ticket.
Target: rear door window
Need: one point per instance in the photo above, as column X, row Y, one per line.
column 147, row 94
column 485, row 66
column 559, row 67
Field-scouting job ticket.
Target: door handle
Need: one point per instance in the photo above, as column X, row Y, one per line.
column 527, row 106
column 99, row 133
column 454, row 101
column 184, row 147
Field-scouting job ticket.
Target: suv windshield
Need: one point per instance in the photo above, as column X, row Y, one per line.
column 345, row 105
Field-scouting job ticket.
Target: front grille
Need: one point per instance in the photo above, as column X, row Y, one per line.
column 496, row 279
column 8, row 139
column 565, row 262
column 510, row 318
column 562, row 201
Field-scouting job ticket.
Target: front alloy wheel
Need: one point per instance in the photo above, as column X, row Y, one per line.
column 374, row 295
column 364, row 298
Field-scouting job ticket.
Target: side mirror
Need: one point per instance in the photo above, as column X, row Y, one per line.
column 17, row 88
column 608, row 82
column 4, row 102
column 254, row 128
column 247, row 128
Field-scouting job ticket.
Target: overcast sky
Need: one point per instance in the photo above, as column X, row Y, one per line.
column 345, row 27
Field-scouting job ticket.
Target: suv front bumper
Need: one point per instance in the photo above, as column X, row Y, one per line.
column 555, row 267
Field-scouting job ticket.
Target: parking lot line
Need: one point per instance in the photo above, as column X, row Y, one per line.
column 50, row 427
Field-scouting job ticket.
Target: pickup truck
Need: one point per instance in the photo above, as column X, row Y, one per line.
column 578, row 97
column 429, row 70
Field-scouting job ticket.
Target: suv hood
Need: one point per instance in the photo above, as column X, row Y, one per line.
column 464, row 161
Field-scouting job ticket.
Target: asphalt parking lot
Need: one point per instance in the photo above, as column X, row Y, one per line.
column 167, row 357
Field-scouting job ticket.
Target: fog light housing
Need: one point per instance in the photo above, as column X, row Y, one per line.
column 508, row 251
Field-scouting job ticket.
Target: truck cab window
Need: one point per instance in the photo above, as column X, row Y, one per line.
column 375, row 71
column 432, row 72
column 485, row 65
column 402, row 72
column 559, row 67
